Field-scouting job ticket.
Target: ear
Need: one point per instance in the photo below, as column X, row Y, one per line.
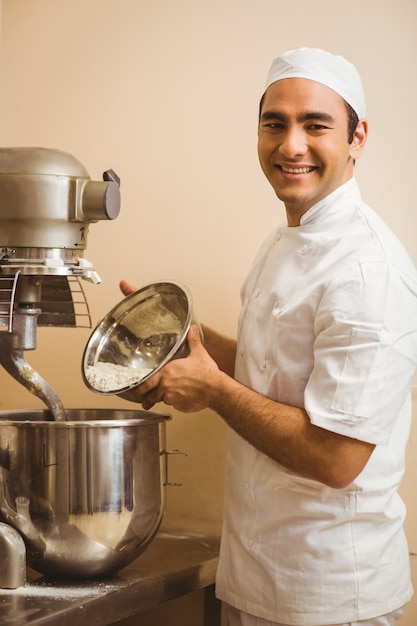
column 359, row 139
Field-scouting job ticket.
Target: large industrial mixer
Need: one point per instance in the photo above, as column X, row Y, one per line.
column 83, row 487
column 47, row 202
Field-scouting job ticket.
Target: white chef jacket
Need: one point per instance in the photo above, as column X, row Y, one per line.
column 328, row 323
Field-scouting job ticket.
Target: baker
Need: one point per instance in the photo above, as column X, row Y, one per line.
column 316, row 389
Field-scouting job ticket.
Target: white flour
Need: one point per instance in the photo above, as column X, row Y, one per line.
column 113, row 377
column 54, row 590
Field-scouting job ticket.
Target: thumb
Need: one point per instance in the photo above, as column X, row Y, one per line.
column 126, row 288
column 194, row 337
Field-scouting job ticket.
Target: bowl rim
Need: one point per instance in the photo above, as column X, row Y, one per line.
column 134, row 417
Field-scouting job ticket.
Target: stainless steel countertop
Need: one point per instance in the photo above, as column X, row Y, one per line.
column 173, row 565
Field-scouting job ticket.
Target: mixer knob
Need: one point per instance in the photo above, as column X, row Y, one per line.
column 100, row 200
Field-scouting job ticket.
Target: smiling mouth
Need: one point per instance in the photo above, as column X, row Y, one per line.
column 296, row 170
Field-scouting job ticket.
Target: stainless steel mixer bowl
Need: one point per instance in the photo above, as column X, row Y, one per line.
column 138, row 337
column 87, row 495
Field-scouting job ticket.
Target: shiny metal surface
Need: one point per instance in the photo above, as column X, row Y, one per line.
column 143, row 332
column 48, row 201
column 15, row 363
column 175, row 564
column 87, row 495
column 21, row 336
column 12, row 558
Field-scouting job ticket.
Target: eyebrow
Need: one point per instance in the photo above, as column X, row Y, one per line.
column 304, row 117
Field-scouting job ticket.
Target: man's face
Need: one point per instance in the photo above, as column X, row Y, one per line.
column 303, row 143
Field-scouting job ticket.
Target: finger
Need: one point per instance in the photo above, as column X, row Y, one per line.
column 132, row 397
column 147, row 404
column 152, row 398
column 126, row 288
column 143, row 399
column 140, row 392
column 194, row 337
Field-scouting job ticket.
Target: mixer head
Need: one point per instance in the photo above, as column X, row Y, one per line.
column 47, row 202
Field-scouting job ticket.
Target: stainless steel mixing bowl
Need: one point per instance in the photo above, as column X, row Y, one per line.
column 138, row 337
column 87, row 495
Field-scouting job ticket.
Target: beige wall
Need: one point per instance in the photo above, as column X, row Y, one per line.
column 166, row 93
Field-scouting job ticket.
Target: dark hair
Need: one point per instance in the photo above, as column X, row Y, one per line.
column 352, row 118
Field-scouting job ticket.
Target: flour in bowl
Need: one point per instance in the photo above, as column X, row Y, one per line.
column 113, row 377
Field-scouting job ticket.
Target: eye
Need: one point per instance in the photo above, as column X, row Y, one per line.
column 273, row 125
column 318, row 127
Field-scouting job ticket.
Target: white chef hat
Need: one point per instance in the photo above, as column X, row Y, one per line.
column 331, row 70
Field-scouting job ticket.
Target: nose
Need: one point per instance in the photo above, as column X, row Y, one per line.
column 293, row 143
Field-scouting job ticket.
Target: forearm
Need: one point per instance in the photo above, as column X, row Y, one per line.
column 286, row 435
column 221, row 349
column 282, row 432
